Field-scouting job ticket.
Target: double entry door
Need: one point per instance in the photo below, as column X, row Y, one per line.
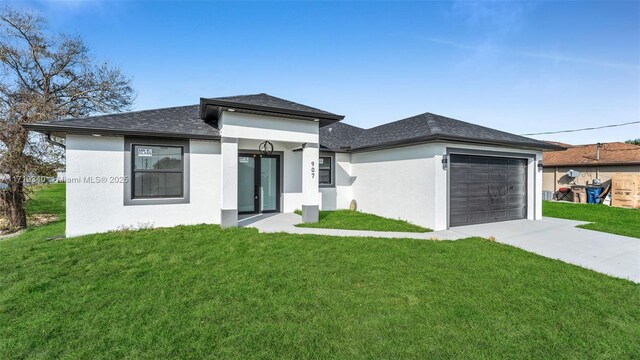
column 258, row 183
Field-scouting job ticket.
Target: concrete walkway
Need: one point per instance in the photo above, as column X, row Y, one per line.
column 609, row 254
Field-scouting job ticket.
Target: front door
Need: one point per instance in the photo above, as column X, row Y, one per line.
column 258, row 183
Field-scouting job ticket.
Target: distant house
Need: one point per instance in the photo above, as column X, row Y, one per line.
column 593, row 161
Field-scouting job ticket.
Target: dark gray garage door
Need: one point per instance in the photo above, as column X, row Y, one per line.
column 486, row 189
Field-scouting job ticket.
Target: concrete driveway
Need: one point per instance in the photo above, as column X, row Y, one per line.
column 609, row 254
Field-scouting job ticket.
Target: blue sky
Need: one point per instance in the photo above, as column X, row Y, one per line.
column 516, row 66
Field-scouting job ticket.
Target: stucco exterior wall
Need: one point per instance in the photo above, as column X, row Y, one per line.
column 99, row 207
column 555, row 177
column 396, row 183
column 258, row 127
column 340, row 195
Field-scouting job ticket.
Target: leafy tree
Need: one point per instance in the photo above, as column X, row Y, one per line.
column 45, row 77
column 633, row 142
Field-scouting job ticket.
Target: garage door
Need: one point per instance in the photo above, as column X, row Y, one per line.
column 485, row 189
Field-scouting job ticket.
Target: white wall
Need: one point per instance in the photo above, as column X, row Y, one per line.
column 340, row 195
column 396, row 183
column 258, row 127
column 99, row 207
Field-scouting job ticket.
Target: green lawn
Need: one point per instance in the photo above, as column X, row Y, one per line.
column 602, row 218
column 47, row 199
column 202, row 292
column 356, row 220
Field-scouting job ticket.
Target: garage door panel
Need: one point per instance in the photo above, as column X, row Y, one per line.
column 478, row 176
column 486, row 189
column 476, row 217
column 459, row 189
column 517, row 200
column 498, row 215
column 479, row 203
column 478, row 161
column 459, row 218
column 517, row 189
column 478, row 189
column 517, row 213
column 498, row 202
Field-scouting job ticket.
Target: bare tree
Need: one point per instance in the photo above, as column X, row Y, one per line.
column 45, row 77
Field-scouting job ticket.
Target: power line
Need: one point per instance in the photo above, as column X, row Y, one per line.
column 584, row 129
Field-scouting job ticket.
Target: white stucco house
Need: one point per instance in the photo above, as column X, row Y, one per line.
column 210, row 162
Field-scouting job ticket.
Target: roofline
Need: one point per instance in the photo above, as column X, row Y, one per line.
column 81, row 130
column 633, row 162
column 204, row 102
column 436, row 138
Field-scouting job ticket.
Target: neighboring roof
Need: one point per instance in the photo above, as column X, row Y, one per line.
column 615, row 153
column 264, row 104
column 182, row 121
column 431, row 127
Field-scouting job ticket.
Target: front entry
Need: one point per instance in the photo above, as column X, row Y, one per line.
column 258, row 183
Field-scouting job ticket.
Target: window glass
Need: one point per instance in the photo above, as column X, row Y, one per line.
column 158, row 157
column 325, row 170
column 157, row 171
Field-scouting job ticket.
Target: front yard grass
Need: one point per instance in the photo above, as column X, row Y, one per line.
column 356, row 220
column 202, row 292
column 602, row 218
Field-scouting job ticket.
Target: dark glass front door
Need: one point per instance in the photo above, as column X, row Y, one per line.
column 258, row 183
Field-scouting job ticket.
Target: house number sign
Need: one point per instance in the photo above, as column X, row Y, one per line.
column 313, row 169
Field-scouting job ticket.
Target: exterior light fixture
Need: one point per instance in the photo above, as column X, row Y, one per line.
column 231, row 110
column 445, row 161
column 266, row 148
column 539, row 165
column 316, row 120
column 96, row 135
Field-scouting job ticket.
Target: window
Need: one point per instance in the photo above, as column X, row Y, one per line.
column 325, row 170
column 157, row 171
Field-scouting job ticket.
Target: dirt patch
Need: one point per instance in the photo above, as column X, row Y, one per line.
column 32, row 220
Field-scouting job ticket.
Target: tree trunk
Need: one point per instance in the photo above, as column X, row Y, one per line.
column 12, row 199
column 14, row 166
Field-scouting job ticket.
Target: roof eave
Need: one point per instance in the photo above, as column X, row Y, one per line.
column 78, row 130
column 204, row 102
column 438, row 137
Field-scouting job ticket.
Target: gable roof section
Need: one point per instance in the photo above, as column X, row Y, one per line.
column 431, row 127
column 264, row 104
column 181, row 121
column 616, row 153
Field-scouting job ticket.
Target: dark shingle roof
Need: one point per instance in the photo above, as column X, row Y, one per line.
column 183, row 121
column 264, row 104
column 186, row 121
column 432, row 127
column 268, row 101
column 339, row 136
